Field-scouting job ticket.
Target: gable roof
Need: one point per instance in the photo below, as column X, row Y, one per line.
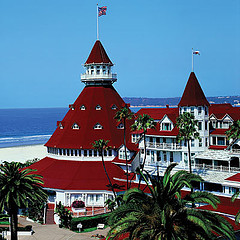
column 193, row 94
column 83, row 138
column 98, row 55
column 220, row 111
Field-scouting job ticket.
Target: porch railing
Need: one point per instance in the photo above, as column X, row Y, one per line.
column 162, row 146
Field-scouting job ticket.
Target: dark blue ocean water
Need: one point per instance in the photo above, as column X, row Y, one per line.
column 28, row 126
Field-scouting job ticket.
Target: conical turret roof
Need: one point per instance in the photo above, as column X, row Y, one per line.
column 91, row 118
column 98, row 55
column 193, row 94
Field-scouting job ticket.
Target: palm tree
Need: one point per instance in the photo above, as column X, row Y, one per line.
column 187, row 126
column 18, row 187
column 234, row 131
column 101, row 145
column 122, row 115
column 143, row 123
column 237, row 217
column 164, row 213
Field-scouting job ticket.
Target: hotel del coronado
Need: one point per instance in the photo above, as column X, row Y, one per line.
column 72, row 169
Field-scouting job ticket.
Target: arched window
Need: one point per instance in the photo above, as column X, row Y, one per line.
column 83, row 107
column 75, row 126
column 114, row 107
column 98, row 107
column 98, row 126
column 120, row 126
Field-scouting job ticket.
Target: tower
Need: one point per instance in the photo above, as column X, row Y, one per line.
column 194, row 101
column 72, row 169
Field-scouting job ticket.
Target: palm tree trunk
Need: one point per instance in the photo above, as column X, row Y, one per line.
column 189, row 157
column 124, row 136
column 144, row 159
column 109, row 180
column 13, row 223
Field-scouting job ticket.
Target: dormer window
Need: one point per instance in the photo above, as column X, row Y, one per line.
column 114, row 107
column 98, row 107
column 71, row 106
column 120, row 126
column 60, row 125
column 166, row 127
column 83, row 107
column 75, row 126
column 98, row 126
column 121, row 154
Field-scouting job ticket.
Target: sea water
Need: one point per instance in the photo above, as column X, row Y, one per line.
column 20, row 127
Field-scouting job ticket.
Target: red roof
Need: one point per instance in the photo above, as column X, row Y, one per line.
column 193, row 94
column 76, row 175
column 158, row 114
column 219, row 131
column 235, row 178
column 90, row 97
column 217, row 147
column 220, row 110
column 98, row 54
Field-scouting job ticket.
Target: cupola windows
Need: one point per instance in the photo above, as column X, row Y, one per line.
column 98, row 107
column 83, row 107
column 98, row 126
column 75, row 126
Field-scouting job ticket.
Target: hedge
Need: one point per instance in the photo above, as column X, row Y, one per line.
column 26, row 228
column 4, row 217
column 89, row 222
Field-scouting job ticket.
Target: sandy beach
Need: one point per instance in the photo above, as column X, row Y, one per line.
column 22, row 153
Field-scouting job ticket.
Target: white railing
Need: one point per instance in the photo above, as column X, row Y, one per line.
column 235, row 151
column 216, row 168
column 90, row 212
column 168, row 146
column 87, row 76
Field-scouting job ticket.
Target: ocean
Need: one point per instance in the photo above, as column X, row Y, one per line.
column 19, row 127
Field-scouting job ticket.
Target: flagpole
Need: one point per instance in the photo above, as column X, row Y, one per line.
column 192, row 59
column 97, row 23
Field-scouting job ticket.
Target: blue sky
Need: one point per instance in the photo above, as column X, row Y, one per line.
column 43, row 44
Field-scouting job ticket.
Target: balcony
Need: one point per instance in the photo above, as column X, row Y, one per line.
column 164, row 146
column 100, row 77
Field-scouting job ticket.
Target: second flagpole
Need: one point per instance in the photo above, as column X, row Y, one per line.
column 97, row 23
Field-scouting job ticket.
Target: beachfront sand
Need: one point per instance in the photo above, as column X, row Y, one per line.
column 22, row 153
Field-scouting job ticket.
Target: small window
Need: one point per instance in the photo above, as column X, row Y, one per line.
column 199, row 125
column 85, row 153
column 98, row 107
column 192, row 110
column 90, row 153
column 120, row 126
column 206, row 110
column 110, row 152
column 98, row 71
column 98, row 126
column 199, row 110
column 114, row 107
column 95, row 153
column 200, row 142
column 206, row 125
column 83, row 107
column 60, row 125
column 75, row 126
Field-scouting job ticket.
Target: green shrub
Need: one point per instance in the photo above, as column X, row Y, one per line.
column 26, row 228
column 89, row 222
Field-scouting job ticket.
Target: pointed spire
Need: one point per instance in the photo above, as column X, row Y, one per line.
column 193, row 94
column 98, row 55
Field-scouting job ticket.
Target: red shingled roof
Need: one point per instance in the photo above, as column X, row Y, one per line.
column 220, row 110
column 98, row 54
column 235, row 178
column 193, row 94
column 219, row 131
column 91, row 96
column 158, row 114
column 76, row 175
